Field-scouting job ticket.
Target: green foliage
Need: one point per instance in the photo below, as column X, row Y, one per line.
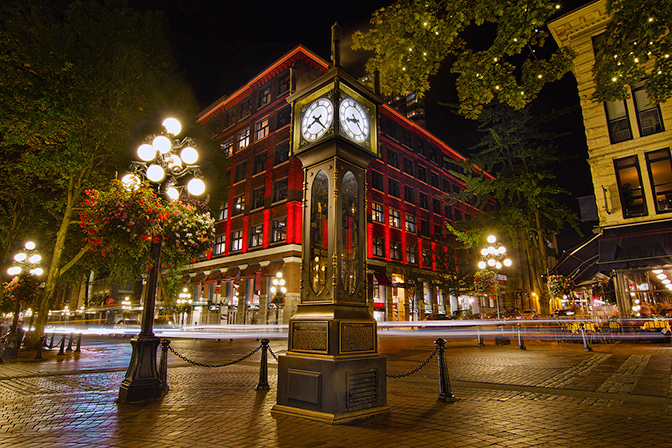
column 411, row 38
column 122, row 224
column 636, row 46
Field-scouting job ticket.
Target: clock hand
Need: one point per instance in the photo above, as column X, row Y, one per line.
column 356, row 121
column 319, row 120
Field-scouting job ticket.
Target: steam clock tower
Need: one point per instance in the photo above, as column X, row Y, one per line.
column 332, row 371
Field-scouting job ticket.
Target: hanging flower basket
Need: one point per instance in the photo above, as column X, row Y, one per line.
column 559, row 285
column 485, row 282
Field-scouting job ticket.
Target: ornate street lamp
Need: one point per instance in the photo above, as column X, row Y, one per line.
column 164, row 160
column 126, row 308
column 183, row 303
column 493, row 259
column 26, row 264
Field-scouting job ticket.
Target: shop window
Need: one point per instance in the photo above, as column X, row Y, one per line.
column 648, row 113
column 617, row 121
column 633, row 201
column 660, row 173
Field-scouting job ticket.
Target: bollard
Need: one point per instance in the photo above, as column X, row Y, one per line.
column 51, row 343
column 2, row 348
column 61, row 351
column 163, row 364
column 521, row 344
column 445, row 394
column 78, row 349
column 69, row 349
column 586, row 347
column 480, row 338
column 263, row 368
column 40, row 346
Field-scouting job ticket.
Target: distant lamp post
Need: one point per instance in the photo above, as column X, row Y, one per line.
column 183, row 302
column 126, row 308
column 164, row 160
column 26, row 265
column 493, row 258
column 278, row 290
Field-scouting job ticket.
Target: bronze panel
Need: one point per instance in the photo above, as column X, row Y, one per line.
column 309, row 337
column 357, row 337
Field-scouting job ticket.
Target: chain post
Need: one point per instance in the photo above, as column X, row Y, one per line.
column 521, row 343
column 163, row 364
column 263, row 368
column 69, row 349
column 480, row 338
column 61, row 351
column 51, row 343
column 2, row 348
column 40, row 347
column 445, row 394
column 586, row 346
column 78, row 349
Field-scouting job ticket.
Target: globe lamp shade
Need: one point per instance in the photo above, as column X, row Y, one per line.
column 175, row 161
column 15, row 270
column 20, row 257
column 37, row 271
column 173, row 194
column 507, row 262
column 172, row 126
column 146, row 152
column 130, row 181
column 196, row 187
column 155, row 173
column 492, row 239
column 491, row 262
column 189, row 155
column 35, row 258
column 481, row 265
column 30, row 245
column 162, row 144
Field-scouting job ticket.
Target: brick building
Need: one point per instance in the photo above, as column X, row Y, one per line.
column 258, row 231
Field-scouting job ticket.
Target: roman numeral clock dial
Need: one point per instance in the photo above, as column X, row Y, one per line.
column 355, row 120
column 317, row 119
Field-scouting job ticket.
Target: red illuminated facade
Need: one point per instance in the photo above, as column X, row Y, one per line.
column 258, row 230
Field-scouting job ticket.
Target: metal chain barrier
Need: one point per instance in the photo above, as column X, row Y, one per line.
column 273, row 354
column 200, row 364
column 416, row 370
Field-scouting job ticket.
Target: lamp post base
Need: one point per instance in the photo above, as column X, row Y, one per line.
column 142, row 380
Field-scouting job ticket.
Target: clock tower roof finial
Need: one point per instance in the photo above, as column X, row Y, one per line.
column 336, row 45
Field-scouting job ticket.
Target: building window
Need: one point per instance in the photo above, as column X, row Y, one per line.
column 446, row 186
column 392, row 158
column 434, row 180
column 424, row 227
column 281, row 153
column 238, row 205
column 395, row 250
column 236, row 240
column 458, row 214
column 660, row 173
column 423, row 201
column 422, row 173
column 259, row 163
column 438, row 231
column 421, row 147
column 426, row 258
column 377, row 181
column 378, row 247
column 377, row 212
column 648, row 113
column 411, row 254
column 264, row 96
column 224, row 211
column 279, row 230
column 243, row 139
column 410, row 224
column 389, row 128
column 283, row 83
column 239, row 172
column 409, row 194
column 436, row 206
column 227, row 147
column 283, row 117
column 280, row 189
column 262, row 128
column 408, row 166
column 256, row 235
column 258, row 198
column 406, row 138
column 393, row 188
column 395, row 218
column 220, row 245
column 448, row 210
column 633, row 201
column 618, row 122
column 245, row 108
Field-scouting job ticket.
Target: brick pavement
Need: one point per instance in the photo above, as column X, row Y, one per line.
column 550, row 395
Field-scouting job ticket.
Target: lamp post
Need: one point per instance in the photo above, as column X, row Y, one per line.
column 183, row 302
column 26, row 266
column 164, row 160
column 494, row 258
column 126, row 308
column 278, row 290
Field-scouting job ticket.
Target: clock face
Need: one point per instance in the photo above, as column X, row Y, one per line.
column 354, row 119
column 317, row 119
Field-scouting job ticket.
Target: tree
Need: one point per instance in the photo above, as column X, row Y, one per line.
column 529, row 211
column 635, row 47
column 498, row 49
column 78, row 80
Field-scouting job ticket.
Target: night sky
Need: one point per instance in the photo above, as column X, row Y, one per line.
column 222, row 44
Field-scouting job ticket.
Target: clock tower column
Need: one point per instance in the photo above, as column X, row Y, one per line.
column 332, row 371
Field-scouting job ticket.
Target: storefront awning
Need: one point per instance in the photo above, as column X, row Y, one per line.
column 230, row 274
column 382, row 279
column 214, row 276
column 250, row 271
column 636, row 246
column 580, row 263
column 272, row 268
column 197, row 278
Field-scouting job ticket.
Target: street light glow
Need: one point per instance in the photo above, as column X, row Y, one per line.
column 492, row 239
column 30, row 245
column 162, row 144
column 196, row 186
column 20, row 257
column 189, row 155
column 155, row 173
column 146, row 152
column 172, row 125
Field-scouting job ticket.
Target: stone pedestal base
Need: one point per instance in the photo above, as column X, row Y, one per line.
column 142, row 377
column 331, row 390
